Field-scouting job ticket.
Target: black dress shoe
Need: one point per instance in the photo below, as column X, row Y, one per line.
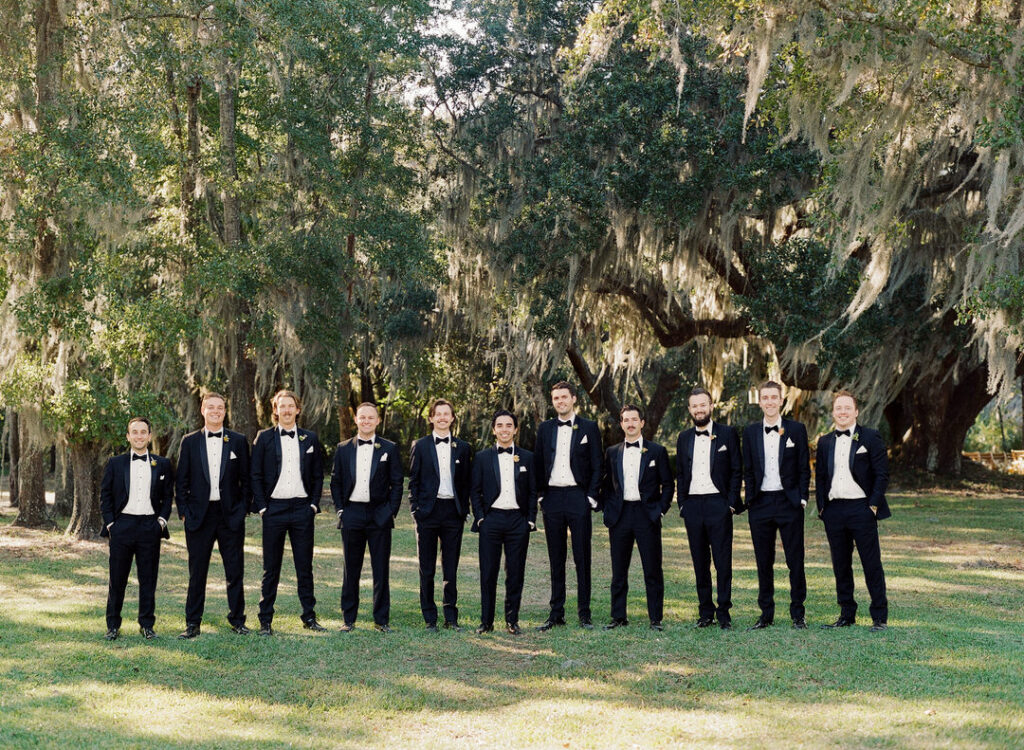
column 761, row 624
column 452, row 626
column 800, row 624
column 432, row 627
column 147, row 633
column 616, row 623
column 656, row 625
column 704, row 622
column 512, row 628
column 842, row 622
column 550, row 623
column 381, row 628
column 112, row 634
column 348, row 627
column 314, row 626
column 190, row 631
column 240, row 630
column 484, row 629
column 878, row 626
column 725, row 625
column 586, row 624
column 265, row 629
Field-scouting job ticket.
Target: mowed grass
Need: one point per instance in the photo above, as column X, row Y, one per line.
column 948, row 673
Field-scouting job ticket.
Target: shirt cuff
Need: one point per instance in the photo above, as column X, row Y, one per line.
column 162, row 521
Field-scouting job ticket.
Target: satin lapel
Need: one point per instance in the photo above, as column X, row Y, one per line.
column 127, row 474
column 759, row 449
column 691, row 442
column 496, row 465
column 152, row 477
column 278, row 455
column 352, row 448
column 782, row 444
column 451, row 461
column 643, row 463
column 432, row 447
column 225, row 455
column 620, row 469
column 854, row 445
column 376, row 459
column 204, row 459
column 553, row 442
column 830, row 454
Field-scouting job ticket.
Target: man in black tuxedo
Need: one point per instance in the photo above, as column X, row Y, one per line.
column 636, row 493
column 777, row 477
column 135, row 500
column 709, row 472
column 366, row 486
column 851, row 474
column 504, row 496
column 213, row 496
column 287, row 481
column 568, row 458
column 439, row 480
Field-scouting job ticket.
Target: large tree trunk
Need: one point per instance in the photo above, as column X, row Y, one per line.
column 64, row 484
column 86, row 519
column 242, row 382
column 31, row 488
column 13, row 455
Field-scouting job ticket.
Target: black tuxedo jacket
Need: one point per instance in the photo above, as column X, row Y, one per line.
column 425, row 475
column 655, row 482
column 794, row 461
column 584, row 455
column 726, row 464
column 869, row 465
column 385, row 479
column 266, row 466
column 487, row 484
column 116, row 483
column 194, row 473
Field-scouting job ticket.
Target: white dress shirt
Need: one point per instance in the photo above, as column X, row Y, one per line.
column 843, row 485
column 141, row 476
column 631, row 458
column 214, row 450
column 289, row 484
column 772, row 480
column 445, row 488
column 700, row 476
column 561, row 469
column 364, row 462
column 507, row 497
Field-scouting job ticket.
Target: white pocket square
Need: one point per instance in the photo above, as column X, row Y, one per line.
column 862, row 449
column 233, row 456
column 458, row 461
column 584, row 440
column 723, row 448
column 309, row 449
column 162, row 476
column 650, row 464
column 383, row 457
column 522, row 469
column 790, row 443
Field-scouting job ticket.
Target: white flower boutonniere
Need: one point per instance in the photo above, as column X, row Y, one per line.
column 856, row 436
column 226, row 438
column 643, row 450
column 713, row 436
column 575, row 425
column 515, row 457
column 376, row 446
column 302, row 437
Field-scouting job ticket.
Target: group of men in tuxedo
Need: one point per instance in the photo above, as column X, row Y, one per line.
column 567, row 477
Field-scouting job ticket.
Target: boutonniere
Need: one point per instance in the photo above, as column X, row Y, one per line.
column 713, row 436
column 856, row 436
column 575, row 425
column 782, row 431
column 226, row 438
column 302, row 437
column 515, row 457
column 643, row 450
column 152, row 462
column 376, row 446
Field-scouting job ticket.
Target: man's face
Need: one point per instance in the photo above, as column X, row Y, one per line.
column 442, row 419
column 287, row 411
column 504, row 430
column 844, row 412
column 700, row 409
column 138, row 436
column 770, row 401
column 213, row 411
column 563, row 401
column 367, row 420
column 631, row 424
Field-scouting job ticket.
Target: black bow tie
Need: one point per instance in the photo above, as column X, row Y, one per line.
column 566, row 423
column 705, row 433
column 440, row 440
column 213, row 434
column 289, row 433
column 137, row 457
column 633, row 445
column 842, row 432
column 364, row 442
column 504, row 450
column 773, row 428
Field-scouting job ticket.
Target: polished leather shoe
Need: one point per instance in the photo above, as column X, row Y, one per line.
column 190, row 631
column 240, row 630
column 348, row 627
column 616, row 623
column 484, row 629
column 512, row 628
column 432, row 627
column 314, row 626
column 727, row 625
column 586, row 624
column 381, row 628
column 656, row 625
column 549, row 623
column 800, row 624
column 265, row 629
column 112, row 634
column 878, row 626
column 147, row 633
column 842, row 622
column 452, row 626
column 761, row 624
column 704, row 622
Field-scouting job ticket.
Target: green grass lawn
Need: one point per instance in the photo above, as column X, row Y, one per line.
column 948, row 673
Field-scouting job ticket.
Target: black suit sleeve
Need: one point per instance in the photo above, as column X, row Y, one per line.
column 822, row 481
column 681, row 490
column 107, row 494
column 665, row 479
column 735, row 471
column 337, row 480
column 879, row 470
column 166, row 489
column 803, row 458
column 594, row 447
column 396, row 479
column 749, row 481
column 316, row 471
column 183, row 476
column 531, row 498
column 415, row 467
column 259, row 490
column 245, row 474
column 540, row 452
column 607, row 479
column 476, row 493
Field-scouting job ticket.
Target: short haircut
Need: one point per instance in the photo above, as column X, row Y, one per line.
column 284, row 393
column 370, row 404
column 441, row 402
column 700, row 391
column 839, row 394
column 563, row 385
column 212, row 394
column 769, row 384
column 144, row 420
column 631, row 407
column 504, row 413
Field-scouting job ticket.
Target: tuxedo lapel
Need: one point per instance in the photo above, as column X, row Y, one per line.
column 225, row 456
column 376, row 459
column 759, row 449
column 153, row 468
column 204, row 459
column 830, row 454
column 643, row 463
column 620, row 469
column 351, row 448
column 127, row 475
column 496, row 465
column 451, row 461
column 854, row 445
column 432, row 449
column 782, row 443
